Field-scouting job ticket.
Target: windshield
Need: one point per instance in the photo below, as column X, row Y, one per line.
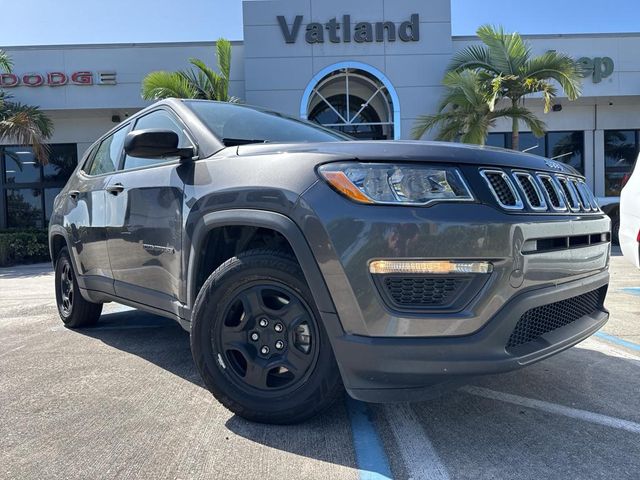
column 241, row 125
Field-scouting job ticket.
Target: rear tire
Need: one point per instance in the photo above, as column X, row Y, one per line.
column 615, row 229
column 258, row 341
column 74, row 310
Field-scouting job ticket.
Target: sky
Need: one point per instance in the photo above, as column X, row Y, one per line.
column 47, row 22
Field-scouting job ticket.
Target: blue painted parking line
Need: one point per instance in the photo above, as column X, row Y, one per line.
column 618, row 341
column 632, row 290
column 370, row 455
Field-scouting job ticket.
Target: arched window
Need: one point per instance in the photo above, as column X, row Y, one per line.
column 352, row 99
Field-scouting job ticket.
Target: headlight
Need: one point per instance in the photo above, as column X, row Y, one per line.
column 396, row 184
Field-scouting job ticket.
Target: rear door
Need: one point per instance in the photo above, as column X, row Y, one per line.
column 86, row 213
column 144, row 217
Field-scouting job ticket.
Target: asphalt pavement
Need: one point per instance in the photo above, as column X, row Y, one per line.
column 123, row 400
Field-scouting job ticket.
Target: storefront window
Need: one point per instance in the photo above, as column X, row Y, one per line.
column 24, row 208
column 29, row 188
column 20, row 165
column 62, row 161
column 620, row 152
column 565, row 147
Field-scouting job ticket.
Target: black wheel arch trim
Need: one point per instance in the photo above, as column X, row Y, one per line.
column 261, row 219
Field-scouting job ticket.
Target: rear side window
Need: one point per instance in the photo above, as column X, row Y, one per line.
column 163, row 120
column 108, row 154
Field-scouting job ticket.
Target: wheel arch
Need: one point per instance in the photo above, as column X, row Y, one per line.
column 57, row 241
column 259, row 219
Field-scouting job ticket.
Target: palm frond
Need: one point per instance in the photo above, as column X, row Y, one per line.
column 524, row 115
column 26, row 125
column 559, row 67
column 6, row 64
column 159, row 85
column 472, row 57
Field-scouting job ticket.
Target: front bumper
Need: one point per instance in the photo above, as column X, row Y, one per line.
column 386, row 354
column 409, row 369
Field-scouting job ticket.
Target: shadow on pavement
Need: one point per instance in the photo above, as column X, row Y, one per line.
column 156, row 339
column 164, row 343
column 25, row 271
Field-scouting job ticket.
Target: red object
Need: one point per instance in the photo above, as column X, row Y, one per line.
column 82, row 78
column 638, row 237
column 8, row 80
column 625, row 179
column 32, row 79
column 56, row 79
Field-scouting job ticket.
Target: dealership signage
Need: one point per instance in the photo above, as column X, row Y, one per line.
column 344, row 31
column 57, row 79
column 597, row 68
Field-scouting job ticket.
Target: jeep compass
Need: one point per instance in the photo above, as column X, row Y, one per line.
column 303, row 262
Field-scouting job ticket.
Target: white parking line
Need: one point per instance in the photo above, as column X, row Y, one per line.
column 555, row 408
column 420, row 458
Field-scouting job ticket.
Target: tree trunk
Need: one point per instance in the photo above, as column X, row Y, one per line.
column 515, row 131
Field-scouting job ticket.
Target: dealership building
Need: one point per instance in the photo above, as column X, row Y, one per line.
column 369, row 68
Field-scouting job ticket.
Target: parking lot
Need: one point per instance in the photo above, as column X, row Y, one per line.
column 124, row 400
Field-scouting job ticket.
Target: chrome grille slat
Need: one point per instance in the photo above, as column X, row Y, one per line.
column 582, row 198
column 532, row 192
column 554, row 195
column 568, row 192
column 503, row 189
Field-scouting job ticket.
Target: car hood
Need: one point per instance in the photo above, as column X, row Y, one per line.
column 414, row 151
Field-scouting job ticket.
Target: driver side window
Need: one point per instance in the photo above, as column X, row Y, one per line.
column 158, row 119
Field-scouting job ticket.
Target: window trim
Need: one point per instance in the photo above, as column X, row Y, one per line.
column 179, row 122
column 94, row 150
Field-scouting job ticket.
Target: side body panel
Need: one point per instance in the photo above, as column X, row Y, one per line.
column 144, row 225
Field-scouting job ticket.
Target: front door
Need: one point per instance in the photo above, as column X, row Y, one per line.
column 144, row 221
column 86, row 214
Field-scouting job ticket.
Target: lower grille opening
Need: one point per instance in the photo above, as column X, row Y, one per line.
column 541, row 320
column 423, row 292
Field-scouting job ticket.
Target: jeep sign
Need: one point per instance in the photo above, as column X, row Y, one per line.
column 57, row 79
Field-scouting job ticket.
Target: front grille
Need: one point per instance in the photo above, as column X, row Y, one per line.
column 542, row 192
column 540, row 320
column 423, row 292
column 502, row 189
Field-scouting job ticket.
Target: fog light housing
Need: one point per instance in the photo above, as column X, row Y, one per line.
column 421, row 267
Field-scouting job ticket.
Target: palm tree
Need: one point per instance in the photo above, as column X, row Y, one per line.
column 24, row 124
column 202, row 82
column 506, row 64
column 465, row 114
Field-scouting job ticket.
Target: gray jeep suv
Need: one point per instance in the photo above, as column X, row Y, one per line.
column 302, row 261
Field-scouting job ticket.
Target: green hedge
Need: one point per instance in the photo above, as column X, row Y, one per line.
column 23, row 246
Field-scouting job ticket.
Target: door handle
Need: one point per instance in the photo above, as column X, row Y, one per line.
column 73, row 194
column 115, row 189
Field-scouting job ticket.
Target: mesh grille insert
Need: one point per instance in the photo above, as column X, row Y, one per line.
column 547, row 183
column 423, row 291
column 526, row 182
column 501, row 188
column 540, row 320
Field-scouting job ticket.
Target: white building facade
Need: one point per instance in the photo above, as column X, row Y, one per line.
column 369, row 68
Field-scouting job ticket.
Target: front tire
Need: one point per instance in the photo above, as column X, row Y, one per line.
column 74, row 310
column 258, row 343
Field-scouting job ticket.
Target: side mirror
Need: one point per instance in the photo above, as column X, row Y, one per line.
column 155, row 143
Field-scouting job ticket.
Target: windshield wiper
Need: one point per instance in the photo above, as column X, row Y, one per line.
column 235, row 142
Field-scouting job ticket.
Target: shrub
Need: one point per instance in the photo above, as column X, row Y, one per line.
column 23, row 246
